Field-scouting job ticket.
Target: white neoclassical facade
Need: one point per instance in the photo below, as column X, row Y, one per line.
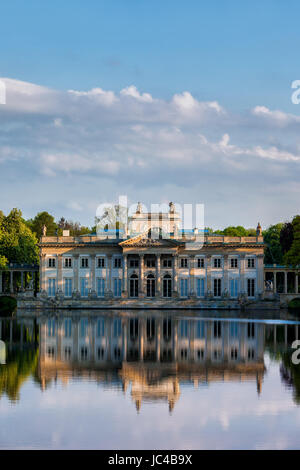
column 148, row 267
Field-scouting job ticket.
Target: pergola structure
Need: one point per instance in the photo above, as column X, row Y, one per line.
column 17, row 273
column 282, row 279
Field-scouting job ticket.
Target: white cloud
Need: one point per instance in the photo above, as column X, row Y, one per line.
column 132, row 142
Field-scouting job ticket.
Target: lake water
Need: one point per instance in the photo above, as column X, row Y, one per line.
column 149, row 380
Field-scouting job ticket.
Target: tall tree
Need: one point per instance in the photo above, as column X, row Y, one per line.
column 286, row 237
column 42, row 218
column 292, row 257
column 273, row 250
column 17, row 243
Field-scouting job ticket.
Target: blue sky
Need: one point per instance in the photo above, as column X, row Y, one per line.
column 241, row 55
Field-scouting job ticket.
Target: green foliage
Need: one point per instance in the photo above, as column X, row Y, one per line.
column 75, row 228
column 295, row 304
column 42, row 218
column 17, row 243
column 292, row 257
column 273, row 250
column 237, row 231
column 7, row 306
column 18, row 369
column 286, row 237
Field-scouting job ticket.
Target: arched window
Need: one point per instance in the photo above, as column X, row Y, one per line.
column 150, row 285
column 167, row 286
column 134, row 286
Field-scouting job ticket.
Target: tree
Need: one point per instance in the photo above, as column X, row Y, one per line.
column 286, row 236
column 273, row 250
column 42, row 218
column 292, row 257
column 17, row 243
column 75, row 228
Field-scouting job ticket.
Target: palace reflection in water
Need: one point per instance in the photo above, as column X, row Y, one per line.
column 153, row 354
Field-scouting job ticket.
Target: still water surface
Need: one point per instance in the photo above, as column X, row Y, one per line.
column 149, row 380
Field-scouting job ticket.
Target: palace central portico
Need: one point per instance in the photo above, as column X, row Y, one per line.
column 151, row 268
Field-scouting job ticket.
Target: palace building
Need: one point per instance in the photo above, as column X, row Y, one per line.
column 151, row 264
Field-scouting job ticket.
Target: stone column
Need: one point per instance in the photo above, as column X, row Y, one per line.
column 141, row 338
column 275, row 282
column 158, row 279
column 11, row 285
column 158, row 339
column 93, row 273
column 125, row 274
column 76, row 272
column 225, row 274
column 59, row 274
column 175, row 274
column 141, row 276
column 191, row 282
column 285, row 282
column 296, row 283
column 208, row 274
column 260, row 274
column 242, row 274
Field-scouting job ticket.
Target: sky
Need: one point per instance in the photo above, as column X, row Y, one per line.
column 183, row 101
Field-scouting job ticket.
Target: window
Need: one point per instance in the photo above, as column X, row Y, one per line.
column 68, row 327
column 233, row 283
column 83, row 327
column 234, row 353
column 200, row 287
column 84, row 353
column 101, row 263
column 150, row 328
column 117, row 287
column 167, row 286
column 234, row 329
column 217, row 262
column 251, row 354
column 167, row 329
column 217, row 287
column 217, row 329
column 234, row 263
column 134, row 286
column 118, row 262
column 200, row 330
column 84, row 262
column 200, row 262
column 167, row 263
column 251, row 287
column 68, row 287
column 251, row 330
column 100, row 327
column 133, row 328
column 134, row 263
column 183, row 287
column 150, row 286
column 100, row 287
column 51, row 287
column 150, row 262
column 251, row 263
column 68, row 262
column 117, row 327
column 183, row 262
column 100, row 353
column 51, row 262
column 51, row 328
column 68, row 353
column 84, row 290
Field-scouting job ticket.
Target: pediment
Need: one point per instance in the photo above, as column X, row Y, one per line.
column 145, row 240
